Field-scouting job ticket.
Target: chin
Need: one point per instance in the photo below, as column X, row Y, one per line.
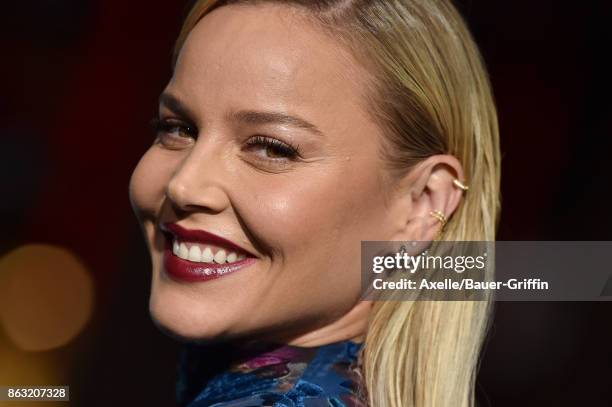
column 185, row 321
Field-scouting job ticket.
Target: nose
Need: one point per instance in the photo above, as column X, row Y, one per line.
column 197, row 184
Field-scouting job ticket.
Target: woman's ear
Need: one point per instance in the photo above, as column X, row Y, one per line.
column 427, row 188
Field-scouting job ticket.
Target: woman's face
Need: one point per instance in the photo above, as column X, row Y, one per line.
column 264, row 141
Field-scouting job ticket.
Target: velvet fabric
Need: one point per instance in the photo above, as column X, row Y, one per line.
column 266, row 375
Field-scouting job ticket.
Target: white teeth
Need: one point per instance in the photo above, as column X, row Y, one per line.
column 207, row 255
column 194, row 253
column 183, row 252
column 231, row 257
column 220, row 257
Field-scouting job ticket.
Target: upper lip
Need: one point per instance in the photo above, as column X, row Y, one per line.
column 201, row 236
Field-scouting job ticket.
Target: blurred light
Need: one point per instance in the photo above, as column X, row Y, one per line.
column 25, row 368
column 46, row 296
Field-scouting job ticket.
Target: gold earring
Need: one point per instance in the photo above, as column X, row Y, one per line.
column 461, row 185
column 442, row 219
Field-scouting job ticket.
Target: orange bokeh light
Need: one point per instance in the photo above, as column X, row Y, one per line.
column 46, row 296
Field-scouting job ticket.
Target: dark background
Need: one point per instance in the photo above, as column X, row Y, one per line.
column 80, row 81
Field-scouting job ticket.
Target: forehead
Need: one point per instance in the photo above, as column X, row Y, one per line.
column 268, row 56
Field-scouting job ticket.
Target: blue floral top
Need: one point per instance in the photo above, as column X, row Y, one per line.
column 276, row 376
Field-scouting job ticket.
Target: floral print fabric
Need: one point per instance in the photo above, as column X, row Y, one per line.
column 284, row 376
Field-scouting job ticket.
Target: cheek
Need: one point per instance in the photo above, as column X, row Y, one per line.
column 148, row 184
column 315, row 225
column 323, row 211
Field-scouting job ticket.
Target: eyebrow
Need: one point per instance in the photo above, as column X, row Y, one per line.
column 261, row 117
column 252, row 117
column 171, row 102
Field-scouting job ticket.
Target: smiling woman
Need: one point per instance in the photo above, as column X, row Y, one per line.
column 290, row 132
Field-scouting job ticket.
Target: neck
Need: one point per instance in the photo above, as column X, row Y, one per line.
column 350, row 327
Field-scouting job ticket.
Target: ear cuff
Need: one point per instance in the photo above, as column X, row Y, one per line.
column 440, row 216
column 460, row 184
column 442, row 219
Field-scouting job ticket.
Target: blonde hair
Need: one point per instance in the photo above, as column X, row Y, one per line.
column 432, row 96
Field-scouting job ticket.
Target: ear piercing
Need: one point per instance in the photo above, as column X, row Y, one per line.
column 460, row 185
column 442, row 219
column 440, row 216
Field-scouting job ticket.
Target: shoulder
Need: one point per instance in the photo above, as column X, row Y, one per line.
column 302, row 394
column 287, row 377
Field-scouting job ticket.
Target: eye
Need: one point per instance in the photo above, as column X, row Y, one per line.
column 272, row 149
column 174, row 133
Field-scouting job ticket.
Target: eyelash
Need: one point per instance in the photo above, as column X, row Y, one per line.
column 168, row 126
column 163, row 127
column 287, row 150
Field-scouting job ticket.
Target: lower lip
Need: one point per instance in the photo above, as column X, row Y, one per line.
column 185, row 270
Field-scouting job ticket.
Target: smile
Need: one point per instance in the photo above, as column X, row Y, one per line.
column 197, row 255
column 204, row 253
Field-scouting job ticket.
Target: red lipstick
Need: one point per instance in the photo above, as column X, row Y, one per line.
column 184, row 269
